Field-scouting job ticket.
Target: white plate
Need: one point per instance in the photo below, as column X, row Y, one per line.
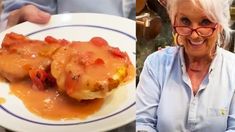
column 118, row 109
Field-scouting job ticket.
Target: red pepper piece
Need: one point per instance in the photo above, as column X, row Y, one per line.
column 98, row 41
column 117, row 52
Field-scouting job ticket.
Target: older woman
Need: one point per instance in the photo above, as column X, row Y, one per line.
column 190, row 87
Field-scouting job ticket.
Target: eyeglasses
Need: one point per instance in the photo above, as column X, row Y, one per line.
column 201, row 31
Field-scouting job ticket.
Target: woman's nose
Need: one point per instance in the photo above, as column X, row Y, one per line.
column 194, row 34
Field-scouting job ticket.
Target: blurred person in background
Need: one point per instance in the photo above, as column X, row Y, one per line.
column 39, row 11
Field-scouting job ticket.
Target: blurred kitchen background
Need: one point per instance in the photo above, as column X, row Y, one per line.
column 153, row 30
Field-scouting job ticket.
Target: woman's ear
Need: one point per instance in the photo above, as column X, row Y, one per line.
column 220, row 28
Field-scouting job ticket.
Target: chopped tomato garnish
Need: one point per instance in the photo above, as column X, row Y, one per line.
column 98, row 41
column 116, row 52
column 41, row 79
column 50, row 39
column 12, row 39
column 16, row 36
column 50, row 80
column 37, row 77
column 64, row 42
column 99, row 61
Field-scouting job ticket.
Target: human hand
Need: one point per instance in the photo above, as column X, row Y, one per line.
column 28, row 13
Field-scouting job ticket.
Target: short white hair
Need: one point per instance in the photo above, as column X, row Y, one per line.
column 216, row 10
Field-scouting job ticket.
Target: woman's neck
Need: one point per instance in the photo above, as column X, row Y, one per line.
column 197, row 69
column 201, row 63
column 197, row 64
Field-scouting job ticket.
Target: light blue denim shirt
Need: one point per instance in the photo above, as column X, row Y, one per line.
column 165, row 100
column 123, row 8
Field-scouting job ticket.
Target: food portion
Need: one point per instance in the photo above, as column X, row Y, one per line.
column 89, row 70
column 81, row 70
column 19, row 55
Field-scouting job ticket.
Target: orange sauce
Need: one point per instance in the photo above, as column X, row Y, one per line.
column 50, row 104
column 2, row 100
column 112, row 63
column 1, row 79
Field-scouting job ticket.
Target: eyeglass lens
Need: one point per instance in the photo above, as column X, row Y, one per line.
column 202, row 31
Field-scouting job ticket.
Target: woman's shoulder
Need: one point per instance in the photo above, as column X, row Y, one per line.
column 165, row 54
column 228, row 56
column 228, row 60
column 228, row 63
column 160, row 63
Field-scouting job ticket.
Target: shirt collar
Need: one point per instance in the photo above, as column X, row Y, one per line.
column 216, row 59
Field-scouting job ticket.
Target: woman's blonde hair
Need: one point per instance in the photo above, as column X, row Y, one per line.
column 216, row 10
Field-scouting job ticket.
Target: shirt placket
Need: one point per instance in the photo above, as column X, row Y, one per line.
column 192, row 114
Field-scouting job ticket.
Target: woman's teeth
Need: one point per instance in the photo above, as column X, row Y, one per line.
column 196, row 43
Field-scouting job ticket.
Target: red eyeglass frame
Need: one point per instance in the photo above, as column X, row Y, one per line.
column 192, row 30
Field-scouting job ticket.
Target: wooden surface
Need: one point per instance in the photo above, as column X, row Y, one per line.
column 140, row 4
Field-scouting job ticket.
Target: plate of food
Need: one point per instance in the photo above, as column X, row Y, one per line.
column 76, row 73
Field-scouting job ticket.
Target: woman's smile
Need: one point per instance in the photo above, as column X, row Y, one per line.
column 196, row 43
